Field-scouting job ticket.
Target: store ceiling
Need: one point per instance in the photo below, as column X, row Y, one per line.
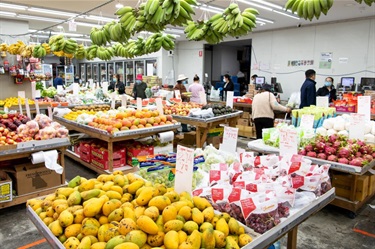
column 341, row 10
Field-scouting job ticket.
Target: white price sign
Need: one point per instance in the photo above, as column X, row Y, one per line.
column 33, row 89
column 203, row 98
column 50, row 112
column 229, row 139
column 37, row 106
column 139, row 104
column 20, row 104
column 322, row 102
column 123, row 100
column 230, row 95
column 27, row 108
column 21, row 94
column 288, row 144
column 364, row 106
column 184, row 169
column 177, row 94
column 307, row 121
column 357, row 126
column 159, row 106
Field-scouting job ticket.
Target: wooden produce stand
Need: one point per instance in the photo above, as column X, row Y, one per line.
column 203, row 125
column 110, row 139
column 24, row 150
column 287, row 226
column 352, row 175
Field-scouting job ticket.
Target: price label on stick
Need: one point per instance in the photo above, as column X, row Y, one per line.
column 177, row 94
column 322, row 102
column 123, row 100
column 33, row 89
column 27, row 108
column 50, row 112
column 229, row 139
column 139, row 104
column 364, row 106
column 307, row 121
column 230, row 99
column 20, row 105
column 288, row 143
column 357, row 126
column 184, row 169
column 159, row 106
column 21, row 94
column 203, row 98
column 37, row 106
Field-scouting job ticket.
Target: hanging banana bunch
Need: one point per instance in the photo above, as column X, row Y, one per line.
column 308, row 9
column 39, row 51
column 368, row 2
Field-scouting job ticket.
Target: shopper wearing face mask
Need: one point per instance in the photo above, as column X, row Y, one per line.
column 182, row 80
column 328, row 90
column 228, row 86
column 139, row 87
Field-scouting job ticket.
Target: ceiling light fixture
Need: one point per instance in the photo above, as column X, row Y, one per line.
column 255, row 5
column 12, row 6
column 177, row 31
column 119, row 5
column 211, row 10
column 264, row 20
column 275, row 6
column 286, row 14
column 6, row 13
column 85, row 24
column 100, row 18
column 39, row 18
column 52, row 12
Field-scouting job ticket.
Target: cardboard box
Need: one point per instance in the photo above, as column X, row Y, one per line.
column 189, row 139
column 102, row 154
column 85, row 157
column 215, row 141
column 243, row 122
column 34, row 177
column 103, row 164
column 141, row 152
column 6, row 190
column 245, row 131
column 246, row 115
column 344, row 182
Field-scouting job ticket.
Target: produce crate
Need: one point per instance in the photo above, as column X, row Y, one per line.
column 103, row 164
column 102, row 153
column 246, row 115
column 6, row 190
column 138, row 152
column 215, row 141
column 243, row 122
column 245, row 131
column 344, row 182
column 371, row 184
column 85, row 156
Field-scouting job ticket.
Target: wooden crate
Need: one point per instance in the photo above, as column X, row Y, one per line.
column 344, row 182
column 371, row 184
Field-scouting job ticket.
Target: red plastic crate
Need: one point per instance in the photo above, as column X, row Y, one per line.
column 102, row 154
column 103, row 164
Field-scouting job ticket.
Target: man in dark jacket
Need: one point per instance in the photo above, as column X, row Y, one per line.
column 308, row 89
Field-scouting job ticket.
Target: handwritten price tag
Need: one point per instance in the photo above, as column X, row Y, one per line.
column 177, row 94
column 288, row 144
column 49, row 112
column 203, row 98
column 357, row 126
column 322, row 102
column 159, row 106
column 307, row 121
column 364, row 106
column 33, row 89
column 229, row 139
column 184, row 169
column 230, row 99
column 21, row 94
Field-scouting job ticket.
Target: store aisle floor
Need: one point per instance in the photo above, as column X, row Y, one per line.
column 329, row 228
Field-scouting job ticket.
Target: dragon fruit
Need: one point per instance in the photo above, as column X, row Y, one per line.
column 333, row 138
column 309, row 148
column 311, row 154
column 368, row 158
column 330, row 150
column 357, row 161
column 322, row 156
column 332, row 158
column 302, row 152
column 343, row 160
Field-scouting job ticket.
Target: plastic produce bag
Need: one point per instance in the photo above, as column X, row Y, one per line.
column 215, row 94
column 294, row 100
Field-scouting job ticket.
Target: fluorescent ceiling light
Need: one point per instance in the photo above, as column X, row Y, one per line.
column 119, row 5
column 211, row 7
column 260, row 23
column 177, row 31
column 82, row 39
column 52, row 12
column 275, row 6
column 12, row 6
column 39, row 36
column 85, row 24
column 6, row 13
column 286, row 14
column 264, row 20
column 68, row 34
column 100, row 18
column 39, row 18
column 255, row 5
column 211, row 10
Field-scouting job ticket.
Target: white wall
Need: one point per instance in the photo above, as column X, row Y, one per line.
column 354, row 40
column 189, row 62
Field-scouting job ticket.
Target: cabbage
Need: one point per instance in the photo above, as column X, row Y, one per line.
column 49, row 92
column 328, row 123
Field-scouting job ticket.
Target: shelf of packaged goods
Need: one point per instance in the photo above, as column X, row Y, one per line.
column 287, row 226
column 75, row 157
column 24, row 150
column 203, row 125
column 112, row 138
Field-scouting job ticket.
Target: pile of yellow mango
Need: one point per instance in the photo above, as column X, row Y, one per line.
column 13, row 101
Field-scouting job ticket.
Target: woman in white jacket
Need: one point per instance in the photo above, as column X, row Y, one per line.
column 263, row 107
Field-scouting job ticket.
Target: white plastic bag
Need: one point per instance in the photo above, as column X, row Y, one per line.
column 294, row 100
column 215, row 94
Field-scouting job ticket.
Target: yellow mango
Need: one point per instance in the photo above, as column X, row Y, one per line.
column 197, row 216
column 118, row 189
column 208, row 239
column 110, row 205
column 66, row 218
column 98, row 245
column 244, row 239
column 113, row 195
column 134, row 186
column 139, row 211
column 115, row 241
column 85, row 243
column 156, row 239
column 222, row 226
column 219, row 239
column 175, row 225
column 127, row 245
column 182, row 237
column 169, row 213
column 160, row 202
column 231, row 243
column 185, row 212
column 89, row 229
column 147, row 225
column 137, row 237
column 190, row 226
column 208, row 214
column 78, row 216
column 126, row 225
column 56, row 228
column 172, row 195
column 72, row 243
column 116, row 215
column 87, row 185
column 171, row 240
column 145, row 196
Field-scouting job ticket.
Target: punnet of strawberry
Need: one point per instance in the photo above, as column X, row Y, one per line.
column 340, row 149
